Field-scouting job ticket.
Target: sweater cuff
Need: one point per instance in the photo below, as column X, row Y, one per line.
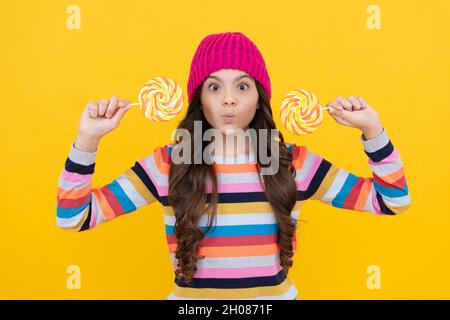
column 376, row 143
column 82, row 157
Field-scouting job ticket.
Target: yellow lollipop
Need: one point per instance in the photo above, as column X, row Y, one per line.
column 160, row 99
column 301, row 112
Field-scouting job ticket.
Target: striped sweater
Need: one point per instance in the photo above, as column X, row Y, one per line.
column 241, row 251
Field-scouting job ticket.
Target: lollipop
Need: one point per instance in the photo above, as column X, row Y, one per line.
column 300, row 112
column 160, row 99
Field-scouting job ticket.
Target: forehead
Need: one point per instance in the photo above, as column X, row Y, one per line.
column 229, row 74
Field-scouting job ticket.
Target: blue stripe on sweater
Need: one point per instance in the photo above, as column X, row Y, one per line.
column 342, row 195
column 391, row 192
column 240, row 230
column 70, row 212
column 121, row 196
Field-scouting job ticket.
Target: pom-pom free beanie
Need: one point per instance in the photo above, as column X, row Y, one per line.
column 228, row 50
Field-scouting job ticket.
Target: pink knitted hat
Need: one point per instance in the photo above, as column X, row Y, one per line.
column 229, row 50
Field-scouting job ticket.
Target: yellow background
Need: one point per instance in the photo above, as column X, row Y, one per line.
column 48, row 73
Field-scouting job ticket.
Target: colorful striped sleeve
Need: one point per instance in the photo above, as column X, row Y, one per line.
column 385, row 193
column 81, row 207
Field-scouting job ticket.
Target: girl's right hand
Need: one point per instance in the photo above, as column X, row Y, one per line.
column 98, row 119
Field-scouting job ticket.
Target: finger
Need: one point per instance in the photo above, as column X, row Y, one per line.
column 345, row 103
column 93, row 113
column 335, row 105
column 102, row 105
column 363, row 103
column 355, row 102
column 332, row 111
column 120, row 113
column 121, row 104
column 345, row 115
column 338, row 111
column 124, row 103
column 112, row 106
column 92, row 109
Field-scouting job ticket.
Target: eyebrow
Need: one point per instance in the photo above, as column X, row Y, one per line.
column 240, row 77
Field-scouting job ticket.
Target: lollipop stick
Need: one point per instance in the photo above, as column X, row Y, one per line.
column 326, row 108
column 134, row 104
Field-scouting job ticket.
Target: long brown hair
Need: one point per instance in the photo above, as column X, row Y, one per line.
column 189, row 199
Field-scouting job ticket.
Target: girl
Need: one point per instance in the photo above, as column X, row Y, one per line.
column 230, row 230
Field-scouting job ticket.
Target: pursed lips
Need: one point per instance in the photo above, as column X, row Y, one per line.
column 229, row 117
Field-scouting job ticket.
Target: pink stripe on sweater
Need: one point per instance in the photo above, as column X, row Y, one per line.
column 93, row 221
column 375, row 203
column 237, row 272
column 237, row 187
column 303, row 185
column 389, row 159
column 162, row 190
column 75, row 177
column 223, row 188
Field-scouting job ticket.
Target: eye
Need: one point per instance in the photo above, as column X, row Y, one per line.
column 213, row 85
column 243, row 84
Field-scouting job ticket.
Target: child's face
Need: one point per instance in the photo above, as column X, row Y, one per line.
column 229, row 91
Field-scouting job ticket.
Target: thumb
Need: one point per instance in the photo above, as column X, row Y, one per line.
column 123, row 103
column 120, row 113
column 344, row 114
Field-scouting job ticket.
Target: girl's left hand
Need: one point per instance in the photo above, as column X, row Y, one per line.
column 354, row 112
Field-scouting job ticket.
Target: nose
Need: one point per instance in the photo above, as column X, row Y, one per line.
column 229, row 101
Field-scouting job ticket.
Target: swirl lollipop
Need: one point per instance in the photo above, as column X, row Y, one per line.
column 301, row 112
column 160, row 99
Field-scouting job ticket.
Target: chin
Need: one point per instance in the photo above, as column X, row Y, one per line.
column 230, row 130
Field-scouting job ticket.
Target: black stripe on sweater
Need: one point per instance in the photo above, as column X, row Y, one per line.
column 86, row 222
column 78, row 168
column 223, row 283
column 316, row 181
column 382, row 153
column 384, row 209
column 140, row 172
column 238, row 197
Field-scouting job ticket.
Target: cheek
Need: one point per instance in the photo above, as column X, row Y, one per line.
column 210, row 116
column 249, row 110
column 249, row 119
column 248, row 115
column 209, row 112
